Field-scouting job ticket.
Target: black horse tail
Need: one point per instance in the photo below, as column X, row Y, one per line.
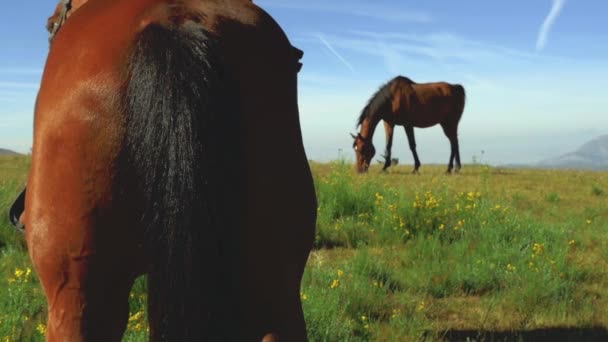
column 459, row 100
column 175, row 100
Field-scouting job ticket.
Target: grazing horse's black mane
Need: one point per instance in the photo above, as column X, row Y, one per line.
column 380, row 98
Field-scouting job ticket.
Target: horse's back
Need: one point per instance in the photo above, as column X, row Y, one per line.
column 426, row 104
column 80, row 106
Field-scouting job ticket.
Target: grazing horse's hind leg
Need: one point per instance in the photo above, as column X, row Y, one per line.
column 409, row 131
column 388, row 128
column 451, row 131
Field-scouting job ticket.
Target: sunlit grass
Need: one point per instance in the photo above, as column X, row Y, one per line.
column 406, row 257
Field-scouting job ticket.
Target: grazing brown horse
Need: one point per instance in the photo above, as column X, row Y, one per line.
column 156, row 130
column 403, row 102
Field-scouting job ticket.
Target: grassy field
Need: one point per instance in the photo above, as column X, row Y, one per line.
column 513, row 253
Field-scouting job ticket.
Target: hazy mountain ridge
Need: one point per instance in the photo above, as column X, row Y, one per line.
column 5, row 152
column 591, row 155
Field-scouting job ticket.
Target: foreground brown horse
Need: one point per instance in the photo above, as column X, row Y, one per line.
column 156, row 131
column 405, row 103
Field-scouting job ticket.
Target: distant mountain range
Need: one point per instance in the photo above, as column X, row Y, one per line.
column 5, row 152
column 593, row 155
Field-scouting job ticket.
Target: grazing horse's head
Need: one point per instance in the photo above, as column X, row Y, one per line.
column 364, row 150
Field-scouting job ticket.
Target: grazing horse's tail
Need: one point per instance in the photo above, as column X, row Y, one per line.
column 459, row 100
column 174, row 99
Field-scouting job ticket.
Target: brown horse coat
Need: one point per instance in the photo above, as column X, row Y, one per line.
column 95, row 161
column 406, row 103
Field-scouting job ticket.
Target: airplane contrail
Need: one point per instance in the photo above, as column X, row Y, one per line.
column 332, row 50
column 556, row 9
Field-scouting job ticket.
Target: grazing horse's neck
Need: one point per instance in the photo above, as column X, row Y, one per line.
column 368, row 127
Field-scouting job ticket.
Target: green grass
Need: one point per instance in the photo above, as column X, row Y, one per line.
column 401, row 257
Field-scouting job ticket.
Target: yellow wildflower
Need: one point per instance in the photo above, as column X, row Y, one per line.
column 18, row 273
column 41, row 328
column 136, row 316
column 421, row 306
column 417, row 202
column 303, row 296
column 379, row 198
column 396, row 312
column 459, row 225
column 511, row 267
column 431, row 202
column 340, row 273
column 335, row 283
column 538, row 248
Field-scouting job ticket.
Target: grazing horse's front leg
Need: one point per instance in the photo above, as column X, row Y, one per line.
column 409, row 131
column 388, row 128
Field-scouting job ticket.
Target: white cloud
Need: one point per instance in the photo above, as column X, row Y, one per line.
column 334, row 52
column 545, row 28
column 443, row 47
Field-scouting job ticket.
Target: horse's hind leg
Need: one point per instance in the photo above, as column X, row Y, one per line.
column 409, row 131
column 83, row 265
column 451, row 132
column 457, row 148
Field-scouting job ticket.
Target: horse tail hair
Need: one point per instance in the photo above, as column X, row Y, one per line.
column 459, row 100
column 173, row 99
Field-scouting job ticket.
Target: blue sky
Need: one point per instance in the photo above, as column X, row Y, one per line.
column 536, row 72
